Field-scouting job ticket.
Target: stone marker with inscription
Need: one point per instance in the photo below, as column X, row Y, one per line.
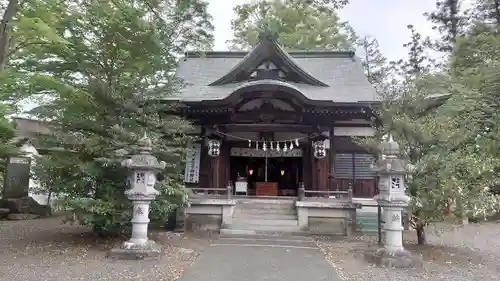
column 17, row 177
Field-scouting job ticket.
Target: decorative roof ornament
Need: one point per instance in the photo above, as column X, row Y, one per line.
column 268, row 35
column 145, row 144
column 389, row 147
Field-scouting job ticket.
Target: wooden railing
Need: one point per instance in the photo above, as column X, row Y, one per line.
column 221, row 193
column 326, row 194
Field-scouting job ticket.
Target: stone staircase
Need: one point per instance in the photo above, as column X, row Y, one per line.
column 264, row 216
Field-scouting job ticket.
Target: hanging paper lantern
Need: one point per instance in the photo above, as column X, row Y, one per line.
column 296, row 142
column 272, row 148
column 277, row 146
column 264, row 146
column 285, row 148
column 249, row 143
column 213, row 147
column 291, row 146
column 319, row 149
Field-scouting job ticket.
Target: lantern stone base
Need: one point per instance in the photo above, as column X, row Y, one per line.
column 130, row 251
column 400, row 259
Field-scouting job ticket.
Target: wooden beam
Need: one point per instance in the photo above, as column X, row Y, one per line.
column 274, row 128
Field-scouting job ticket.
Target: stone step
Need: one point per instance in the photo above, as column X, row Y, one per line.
column 264, row 216
column 267, row 237
column 274, row 241
column 267, row 206
column 263, row 212
column 260, row 222
column 228, row 232
column 265, row 209
column 266, row 201
column 257, row 227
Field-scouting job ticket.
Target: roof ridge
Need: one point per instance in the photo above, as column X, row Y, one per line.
column 295, row 54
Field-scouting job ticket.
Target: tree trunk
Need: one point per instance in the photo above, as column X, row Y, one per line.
column 421, row 240
column 7, row 17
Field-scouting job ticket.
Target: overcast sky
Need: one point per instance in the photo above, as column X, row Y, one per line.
column 386, row 20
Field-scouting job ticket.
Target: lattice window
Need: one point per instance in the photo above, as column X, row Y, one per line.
column 268, row 70
column 140, row 177
column 353, row 166
column 395, row 182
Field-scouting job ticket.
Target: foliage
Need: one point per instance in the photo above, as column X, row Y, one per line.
column 375, row 63
column 300, row 24
column 106, row 85
column 454, row 146
column 23, row 24
column 450, row 21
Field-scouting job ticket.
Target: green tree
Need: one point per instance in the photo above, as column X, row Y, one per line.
column 453, row 145
column 450, row 21
column 22, row 24
column 107, row 84
column 300, row 24
column 375, row 64
column 488, row 12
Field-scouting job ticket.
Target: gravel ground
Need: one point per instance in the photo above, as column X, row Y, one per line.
column 46, row 250
column 468, row 253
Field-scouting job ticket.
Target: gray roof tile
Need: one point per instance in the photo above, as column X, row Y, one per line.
column 342, row 73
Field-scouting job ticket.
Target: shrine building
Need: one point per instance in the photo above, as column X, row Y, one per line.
column 271, row 121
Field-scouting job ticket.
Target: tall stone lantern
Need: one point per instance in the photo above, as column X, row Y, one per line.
column 391, row 172
column 142, row 178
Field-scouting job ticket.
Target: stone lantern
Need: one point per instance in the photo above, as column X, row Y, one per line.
column 391, row 172
column 143, row 169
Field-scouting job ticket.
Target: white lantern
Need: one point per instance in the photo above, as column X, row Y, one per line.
column 319, row 149
column 213, row 147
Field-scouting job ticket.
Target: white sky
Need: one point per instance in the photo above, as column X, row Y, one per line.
column 385, row 20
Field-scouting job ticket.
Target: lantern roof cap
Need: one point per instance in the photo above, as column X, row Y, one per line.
column 145, row 143
column 389, row 146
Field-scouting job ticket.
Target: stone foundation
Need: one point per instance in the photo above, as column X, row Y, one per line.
column 331, row 217
column 24, row 205
column 202, row 222
column 129, row 251
column 208, row 214
column 334, row 226
column 400, row 259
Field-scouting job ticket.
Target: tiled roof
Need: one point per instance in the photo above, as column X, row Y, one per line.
column 341, row 71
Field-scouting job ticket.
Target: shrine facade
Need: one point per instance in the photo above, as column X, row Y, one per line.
column 274, row 120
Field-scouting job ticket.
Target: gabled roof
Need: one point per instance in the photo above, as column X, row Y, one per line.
column 268, row 50
column 318, row 75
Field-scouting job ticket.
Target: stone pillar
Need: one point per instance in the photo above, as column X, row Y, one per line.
column 392, row 172
column 143, row 168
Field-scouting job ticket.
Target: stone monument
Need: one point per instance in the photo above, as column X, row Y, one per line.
column 391, row 171
column 143, row 168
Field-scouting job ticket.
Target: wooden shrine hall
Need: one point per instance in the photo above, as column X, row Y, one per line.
column 271, row 121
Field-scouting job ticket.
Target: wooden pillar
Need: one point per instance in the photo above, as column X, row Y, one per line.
column 223, row 167
column 205, row 170
column 313, row 167
column 331, row 161
column 322, row 171
column 306, row 166
column 214, row 175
